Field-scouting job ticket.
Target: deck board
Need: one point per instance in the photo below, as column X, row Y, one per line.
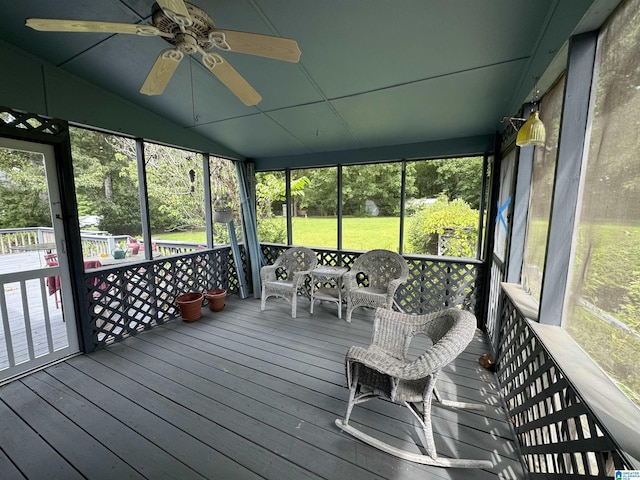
column 239, row 394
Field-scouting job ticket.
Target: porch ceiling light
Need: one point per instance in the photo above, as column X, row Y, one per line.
column 532, row 132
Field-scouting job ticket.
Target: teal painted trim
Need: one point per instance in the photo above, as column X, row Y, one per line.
column 454, row 147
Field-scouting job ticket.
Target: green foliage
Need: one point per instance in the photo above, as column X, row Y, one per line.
column 606, row 274
column 120, row 218
column 272, row 230
column 455, row 218
column 106, row 180
column 321, row 196
column 270, row 193
column 380, row 183
column 359, row 233
column 615, row 351
column 24, row 200
column 453, row 177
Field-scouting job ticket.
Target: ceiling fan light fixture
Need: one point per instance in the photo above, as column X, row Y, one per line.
column 532, row 132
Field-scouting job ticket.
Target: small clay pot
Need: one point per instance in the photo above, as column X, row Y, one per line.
column 216, row 298
column 190, row 306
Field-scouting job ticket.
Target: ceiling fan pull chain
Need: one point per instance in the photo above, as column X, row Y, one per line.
column 219, row 41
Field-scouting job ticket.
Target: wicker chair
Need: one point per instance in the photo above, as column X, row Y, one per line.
column 382, row 370
column 294, row 264
column 384, row 270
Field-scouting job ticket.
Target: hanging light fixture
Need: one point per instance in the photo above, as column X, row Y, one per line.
column 532, row 132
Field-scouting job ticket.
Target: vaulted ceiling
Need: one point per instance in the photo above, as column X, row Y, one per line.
column 374, row 75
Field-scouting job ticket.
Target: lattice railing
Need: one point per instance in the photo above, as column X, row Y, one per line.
column 433, row 284
column 558, row 434
column 127, row 299
column 38, row 126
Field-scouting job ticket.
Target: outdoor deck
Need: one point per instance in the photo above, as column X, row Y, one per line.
column 238, row 394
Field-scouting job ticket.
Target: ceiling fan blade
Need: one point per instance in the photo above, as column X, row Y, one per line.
column 277, row 48
column 162, row 71
column 177, row 11
column 55, row 25
column 231, row 79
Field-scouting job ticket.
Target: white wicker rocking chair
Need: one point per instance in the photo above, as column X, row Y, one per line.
column 382, row 370
column 384, row 270
column 295, row 264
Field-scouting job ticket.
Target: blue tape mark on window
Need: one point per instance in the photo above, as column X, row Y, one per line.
column 499, row 217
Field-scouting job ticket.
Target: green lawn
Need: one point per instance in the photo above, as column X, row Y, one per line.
column 357, row 233
column 362, row 233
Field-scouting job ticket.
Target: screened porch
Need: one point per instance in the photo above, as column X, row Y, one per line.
column 101, row 379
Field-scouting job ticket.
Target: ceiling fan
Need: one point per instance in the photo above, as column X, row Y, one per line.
column 190, row 30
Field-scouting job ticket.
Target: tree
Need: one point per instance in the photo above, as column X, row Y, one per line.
column 24, row 196
column 380, row 183
column 271, row 192
column 100, row 165
column 453, row 177
column 320, row 197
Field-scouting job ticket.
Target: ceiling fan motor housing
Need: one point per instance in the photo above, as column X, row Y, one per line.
column 197, row 32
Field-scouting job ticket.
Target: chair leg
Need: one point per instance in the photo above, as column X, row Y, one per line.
column 353, row 390
column 294, row 304
column 423, row 415
column 263, row 299
column 349, row 310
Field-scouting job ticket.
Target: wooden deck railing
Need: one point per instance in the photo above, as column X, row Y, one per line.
column 94, row 243
column 21, row 237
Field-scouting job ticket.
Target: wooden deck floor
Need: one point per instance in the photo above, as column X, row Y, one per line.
column 238, row 394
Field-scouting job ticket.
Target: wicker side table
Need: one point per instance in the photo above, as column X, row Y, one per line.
column 328, row 275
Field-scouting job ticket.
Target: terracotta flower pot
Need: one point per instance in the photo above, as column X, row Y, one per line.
column 190, row 306
column 216, row 299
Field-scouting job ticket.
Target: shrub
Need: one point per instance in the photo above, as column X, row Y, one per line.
column 454, row 218
column 271, row 230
